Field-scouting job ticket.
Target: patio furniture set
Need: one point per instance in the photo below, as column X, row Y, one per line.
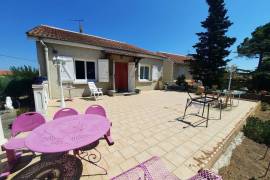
column 69, row 131
column 95, row 92
column 78, row 133
column 206, row 100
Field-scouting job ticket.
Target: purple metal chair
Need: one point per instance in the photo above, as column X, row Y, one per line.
column 99, row 110
column 150, row 169
column 26, row 122
column 23, row 123
column 206, row 174
column 96, row 109
column 65, row 112
column 153, row 169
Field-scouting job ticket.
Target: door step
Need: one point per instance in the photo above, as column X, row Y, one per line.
column 125, row 94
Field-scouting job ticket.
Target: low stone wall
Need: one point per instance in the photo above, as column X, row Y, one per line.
column 221, row 148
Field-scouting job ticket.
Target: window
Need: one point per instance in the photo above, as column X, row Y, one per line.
column 85, row 70
column 80, row 69
column 144, row 72
column 90, row 70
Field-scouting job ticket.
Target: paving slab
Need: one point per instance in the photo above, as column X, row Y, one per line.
column 145, row 125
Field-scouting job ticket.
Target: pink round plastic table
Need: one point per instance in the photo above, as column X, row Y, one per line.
column 67, row 133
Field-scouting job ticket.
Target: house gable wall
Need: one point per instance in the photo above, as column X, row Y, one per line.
column 151, row 84
column 181, row 69
column 76, row 53
column 168, row 70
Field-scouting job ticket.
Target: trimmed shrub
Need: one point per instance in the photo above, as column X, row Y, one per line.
column 181, row 81
column 257, row 130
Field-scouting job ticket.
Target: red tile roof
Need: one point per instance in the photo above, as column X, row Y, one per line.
column 176, row 57
column 5, row 72
column 44, row 31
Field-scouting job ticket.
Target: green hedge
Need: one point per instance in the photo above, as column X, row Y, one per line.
column 257, row 130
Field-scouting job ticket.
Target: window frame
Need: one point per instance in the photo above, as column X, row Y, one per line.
column 85, row 80
column 149, row 73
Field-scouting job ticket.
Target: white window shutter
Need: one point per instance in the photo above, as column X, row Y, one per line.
column 103, row 70
column 131, row 76
column 155, row 73
column 67, row 73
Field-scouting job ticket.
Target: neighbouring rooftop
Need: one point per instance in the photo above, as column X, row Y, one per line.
column 5, row 72
column 177, row 58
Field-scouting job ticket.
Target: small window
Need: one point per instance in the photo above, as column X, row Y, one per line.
column 144, row 72
column 90, row 70
column 80, row 69
column 85, row 70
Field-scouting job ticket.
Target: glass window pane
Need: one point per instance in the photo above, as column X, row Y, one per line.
column 90, row 70
column 141, row 72
column 146, row 72
column 80, row 71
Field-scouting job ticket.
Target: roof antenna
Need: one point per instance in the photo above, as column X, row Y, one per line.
column 79, row 23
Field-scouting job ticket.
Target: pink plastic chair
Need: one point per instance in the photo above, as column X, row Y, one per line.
column 65, row 112
column 23, row 123
column 99, row 110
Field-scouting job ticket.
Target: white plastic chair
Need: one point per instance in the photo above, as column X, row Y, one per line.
column 94, row 91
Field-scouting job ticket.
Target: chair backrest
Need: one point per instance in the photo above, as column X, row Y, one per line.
column 150, row 169
column 92, row 86
column 26, row 122
column 65, row 112
column 96, row 109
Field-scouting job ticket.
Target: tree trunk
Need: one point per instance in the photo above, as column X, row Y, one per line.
column 260, row 60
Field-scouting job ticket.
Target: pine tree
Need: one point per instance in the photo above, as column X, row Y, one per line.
column 258, row 45
column 212, row 48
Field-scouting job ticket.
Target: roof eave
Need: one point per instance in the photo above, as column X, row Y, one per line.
column 83, row 45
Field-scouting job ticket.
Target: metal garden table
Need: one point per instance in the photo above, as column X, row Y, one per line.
column 230, row 95
column 68, row 133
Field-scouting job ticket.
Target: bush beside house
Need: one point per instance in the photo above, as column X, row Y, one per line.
column 18, row 85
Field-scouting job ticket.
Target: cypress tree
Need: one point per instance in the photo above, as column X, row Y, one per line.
column 212, row 48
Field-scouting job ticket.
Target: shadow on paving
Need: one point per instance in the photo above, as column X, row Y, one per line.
column 66, row 167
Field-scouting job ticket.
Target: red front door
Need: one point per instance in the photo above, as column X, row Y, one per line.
column 121, row 76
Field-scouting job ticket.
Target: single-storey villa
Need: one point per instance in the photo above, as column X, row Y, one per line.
column 111, row 64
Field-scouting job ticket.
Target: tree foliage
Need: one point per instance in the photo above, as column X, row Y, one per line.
column 212, row 48
column 21, row 81
column 258, row 45
column 27, row 72
column 261, row 76
column 257, row 130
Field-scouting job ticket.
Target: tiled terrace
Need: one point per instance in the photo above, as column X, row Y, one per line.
column 145, row 125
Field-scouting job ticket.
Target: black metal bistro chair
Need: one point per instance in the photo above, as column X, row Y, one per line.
column 205, row 101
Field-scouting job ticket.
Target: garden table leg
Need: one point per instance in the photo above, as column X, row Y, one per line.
column 220, row 108
column 108, row 138
column 11, row 159
column 93, row 159
column 207, row 118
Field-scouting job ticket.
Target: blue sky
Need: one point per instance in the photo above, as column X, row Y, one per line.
column 157, row 25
